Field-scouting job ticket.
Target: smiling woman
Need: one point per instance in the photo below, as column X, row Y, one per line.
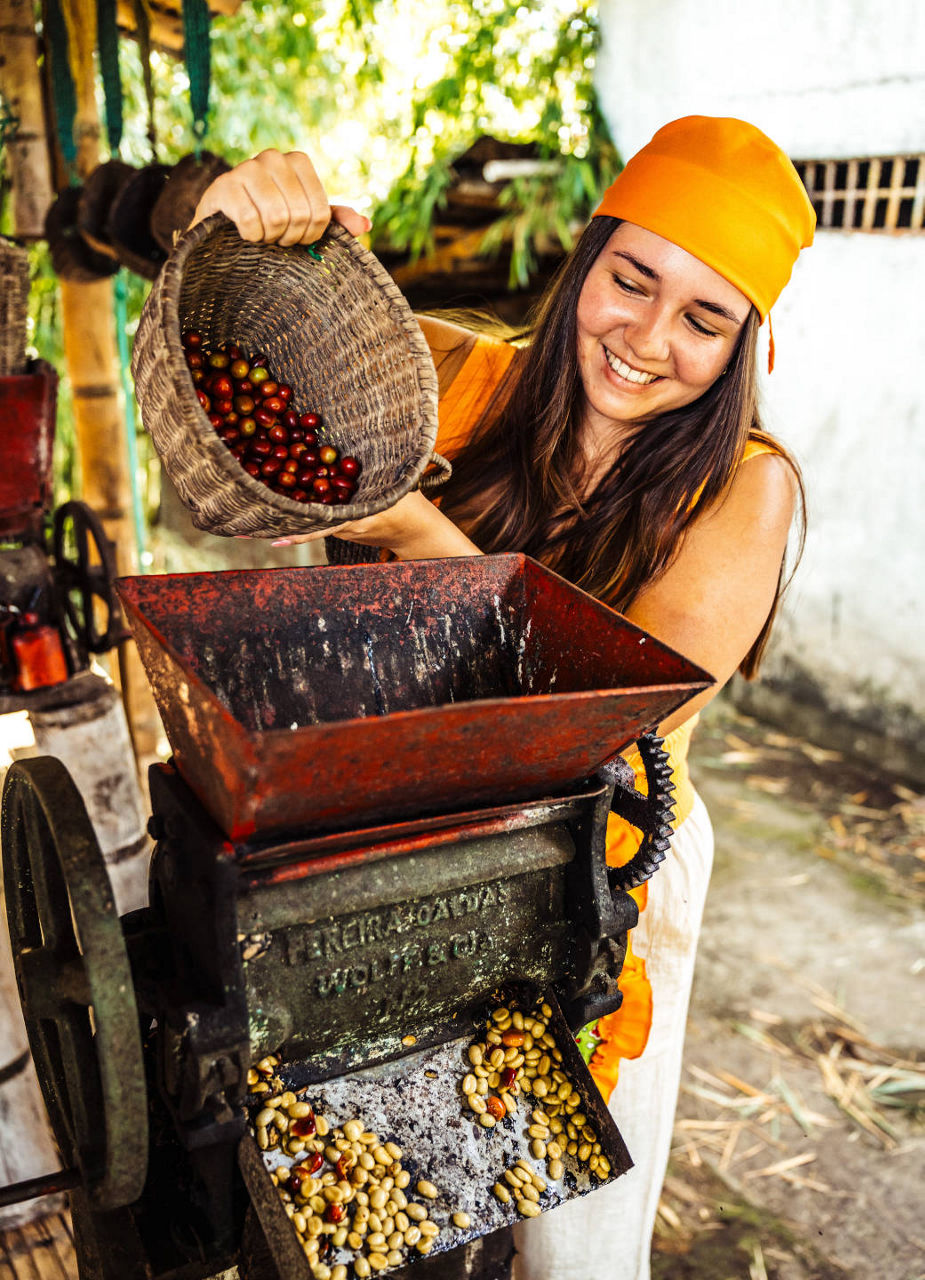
column 622, row 447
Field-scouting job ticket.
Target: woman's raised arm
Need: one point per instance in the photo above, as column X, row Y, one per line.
column 277, row 198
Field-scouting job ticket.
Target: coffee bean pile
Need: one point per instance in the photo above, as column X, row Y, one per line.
column 255, row 418
column 345, row 1191
column 517, row 1056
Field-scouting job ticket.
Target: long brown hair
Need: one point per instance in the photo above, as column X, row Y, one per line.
column 627, row 531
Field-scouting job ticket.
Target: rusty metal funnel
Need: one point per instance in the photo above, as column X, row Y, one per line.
column 332, row 697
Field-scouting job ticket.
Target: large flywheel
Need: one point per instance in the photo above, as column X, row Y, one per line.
column 74, row 981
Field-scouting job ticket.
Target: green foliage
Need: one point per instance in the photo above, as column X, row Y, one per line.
column 547, row 208
column 523, row 73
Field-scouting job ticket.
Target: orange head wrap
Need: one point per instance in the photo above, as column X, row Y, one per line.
column 722, row 190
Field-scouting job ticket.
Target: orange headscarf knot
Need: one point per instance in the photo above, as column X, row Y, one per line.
column 722, row 190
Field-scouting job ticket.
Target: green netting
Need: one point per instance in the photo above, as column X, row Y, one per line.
column 196, row 48
column 108, row 37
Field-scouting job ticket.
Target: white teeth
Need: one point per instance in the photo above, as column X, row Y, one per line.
column 627, row 371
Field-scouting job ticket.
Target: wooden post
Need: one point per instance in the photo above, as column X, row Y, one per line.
column 92, row 363
column 27, row 152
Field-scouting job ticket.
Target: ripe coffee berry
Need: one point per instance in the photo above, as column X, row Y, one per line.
column 254, row 416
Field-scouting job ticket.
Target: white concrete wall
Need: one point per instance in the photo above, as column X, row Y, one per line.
column 825, row 78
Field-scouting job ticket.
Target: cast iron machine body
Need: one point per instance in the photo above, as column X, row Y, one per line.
column 387, row 803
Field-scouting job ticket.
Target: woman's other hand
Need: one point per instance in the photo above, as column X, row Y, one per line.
column 414, row 529
column 277, row 198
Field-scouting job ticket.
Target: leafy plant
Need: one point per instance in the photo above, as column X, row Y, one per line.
column 548, row 98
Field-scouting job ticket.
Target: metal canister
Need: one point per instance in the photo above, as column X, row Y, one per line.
column 38, row 655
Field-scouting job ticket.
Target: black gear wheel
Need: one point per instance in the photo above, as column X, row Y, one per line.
column 651, row 814
column 86, row 582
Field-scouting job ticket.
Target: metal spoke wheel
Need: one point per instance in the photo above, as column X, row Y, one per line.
column 74, row 981
column 85, row 583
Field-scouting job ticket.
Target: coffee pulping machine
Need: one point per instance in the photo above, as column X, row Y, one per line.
column 385, row 811
column 58, row 610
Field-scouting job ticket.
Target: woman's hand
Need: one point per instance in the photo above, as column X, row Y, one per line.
column 414, row 529
column 277, row 198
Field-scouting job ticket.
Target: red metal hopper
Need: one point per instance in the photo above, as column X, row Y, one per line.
column 333, row 697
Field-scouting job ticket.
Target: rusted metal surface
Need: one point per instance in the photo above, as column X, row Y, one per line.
column 328, row 697
column 45, row 1185
column 417, row 1102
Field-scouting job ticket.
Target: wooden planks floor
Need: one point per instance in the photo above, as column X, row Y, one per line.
column 39, row 1250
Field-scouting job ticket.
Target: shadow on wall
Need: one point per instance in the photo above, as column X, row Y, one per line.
column 882, row 732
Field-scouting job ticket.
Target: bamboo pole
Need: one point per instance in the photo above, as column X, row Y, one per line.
column 27, row 152
column 92, row 366
column 91, row 359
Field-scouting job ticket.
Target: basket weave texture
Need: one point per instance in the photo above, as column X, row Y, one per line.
column 14, row 306
column 338, row 330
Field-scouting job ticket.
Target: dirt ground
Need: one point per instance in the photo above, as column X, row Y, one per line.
column 799, row 1147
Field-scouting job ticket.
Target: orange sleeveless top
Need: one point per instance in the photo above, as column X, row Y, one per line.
column 622, row 1034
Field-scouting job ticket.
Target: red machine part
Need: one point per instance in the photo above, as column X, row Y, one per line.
column 27, row 429
column 38, row 655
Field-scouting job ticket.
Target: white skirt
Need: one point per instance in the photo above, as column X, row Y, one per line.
column 606, row 1235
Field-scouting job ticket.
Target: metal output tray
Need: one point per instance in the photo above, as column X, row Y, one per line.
column 416, row 1101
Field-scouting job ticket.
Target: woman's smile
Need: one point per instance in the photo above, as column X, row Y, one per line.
column 625, row 372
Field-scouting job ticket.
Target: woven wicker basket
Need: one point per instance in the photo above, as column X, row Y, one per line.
column 335, row 327
column 14, row 307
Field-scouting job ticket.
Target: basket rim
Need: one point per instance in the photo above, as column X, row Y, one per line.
column 314, row 514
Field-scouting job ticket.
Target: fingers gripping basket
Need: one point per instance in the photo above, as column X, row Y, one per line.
column 331, row 323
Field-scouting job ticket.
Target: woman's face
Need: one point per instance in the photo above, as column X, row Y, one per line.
column 656, row 328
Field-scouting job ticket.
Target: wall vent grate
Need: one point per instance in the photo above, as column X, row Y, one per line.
column 874, row 193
